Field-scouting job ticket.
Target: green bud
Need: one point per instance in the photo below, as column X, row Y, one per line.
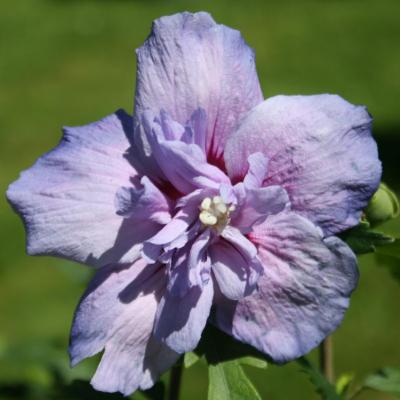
column 344, row 382
column 383, row 206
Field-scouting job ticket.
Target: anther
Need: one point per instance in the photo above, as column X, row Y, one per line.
column 215, row 213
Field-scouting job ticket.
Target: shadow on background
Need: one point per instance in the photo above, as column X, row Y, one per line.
column 388, row 139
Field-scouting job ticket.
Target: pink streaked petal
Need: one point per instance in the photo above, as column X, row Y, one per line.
column 302, row 295
column 320, row 149
column 117, row 314
column 190, row 62
column 67, row 198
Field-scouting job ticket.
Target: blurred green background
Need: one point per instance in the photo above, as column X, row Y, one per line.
column 70, row 62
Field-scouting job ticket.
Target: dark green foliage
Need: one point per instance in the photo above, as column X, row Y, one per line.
column 216, row 346
column 325, row 389
column 364, row 240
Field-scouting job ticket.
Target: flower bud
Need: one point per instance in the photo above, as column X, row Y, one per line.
column 383, row 206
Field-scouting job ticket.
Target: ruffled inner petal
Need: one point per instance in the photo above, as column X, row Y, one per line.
column 180, row 320
column 196, row 130
column 241, row 243
column 176, row 227
column 257, row 205
column 142, row 203
column 198, row 261
column 236, row 276
column 257, row 172
column 183, row 165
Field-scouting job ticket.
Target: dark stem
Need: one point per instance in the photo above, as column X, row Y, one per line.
column 326, row 359
column 175, row 381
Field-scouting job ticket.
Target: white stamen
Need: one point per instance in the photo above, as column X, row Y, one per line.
column 207, row 218
column 217, row 200
column 221, row 208
column 206, row 203
column 215, row 213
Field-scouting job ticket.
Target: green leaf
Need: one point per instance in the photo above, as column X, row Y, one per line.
column 190, row 359
column 225, row 356
column 364, row 240
column 253, row 362
column 385, row 380
column 227, row 381
column 322, row 386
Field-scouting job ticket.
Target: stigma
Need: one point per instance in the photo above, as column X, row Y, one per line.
column 214, row 213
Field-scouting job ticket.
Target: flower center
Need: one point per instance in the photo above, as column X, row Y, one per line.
column 214, row 213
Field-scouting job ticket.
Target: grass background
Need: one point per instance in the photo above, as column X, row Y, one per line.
column 70, row 62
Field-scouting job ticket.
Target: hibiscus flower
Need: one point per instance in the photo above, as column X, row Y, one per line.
column 210, row 204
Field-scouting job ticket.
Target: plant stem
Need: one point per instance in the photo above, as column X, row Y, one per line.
column 175, row 381
column 326, row 359
column 356, row 392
